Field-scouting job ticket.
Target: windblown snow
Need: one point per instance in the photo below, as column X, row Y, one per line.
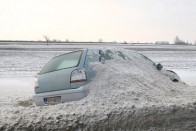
column 122, row 95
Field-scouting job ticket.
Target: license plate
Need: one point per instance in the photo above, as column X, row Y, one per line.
column 52, row 100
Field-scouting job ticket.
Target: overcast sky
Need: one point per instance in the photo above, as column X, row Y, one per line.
column 89, row 20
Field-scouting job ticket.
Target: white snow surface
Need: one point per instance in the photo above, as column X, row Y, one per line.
column 118, row 85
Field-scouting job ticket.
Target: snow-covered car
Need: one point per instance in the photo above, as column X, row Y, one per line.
column 64, row 77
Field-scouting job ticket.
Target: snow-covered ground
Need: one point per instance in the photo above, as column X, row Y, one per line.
column 134, row 97
column 71, row 46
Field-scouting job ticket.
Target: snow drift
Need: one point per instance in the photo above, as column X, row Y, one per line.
column 128, row 94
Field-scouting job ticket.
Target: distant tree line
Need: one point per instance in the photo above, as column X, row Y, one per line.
column 178, row 41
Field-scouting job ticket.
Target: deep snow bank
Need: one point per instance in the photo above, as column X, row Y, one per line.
column 125, row 94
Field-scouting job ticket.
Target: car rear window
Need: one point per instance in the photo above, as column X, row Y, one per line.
column 62, row 62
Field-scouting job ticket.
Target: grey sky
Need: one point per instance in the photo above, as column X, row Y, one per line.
column 89, row 20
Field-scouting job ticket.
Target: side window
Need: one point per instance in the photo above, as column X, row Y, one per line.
column 105, row 55
column 92, row 56
column 108, row 55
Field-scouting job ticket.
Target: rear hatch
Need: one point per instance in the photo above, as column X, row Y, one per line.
column 56, row 73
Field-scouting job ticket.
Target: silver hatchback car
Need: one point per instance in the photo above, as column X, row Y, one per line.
column 63, row 78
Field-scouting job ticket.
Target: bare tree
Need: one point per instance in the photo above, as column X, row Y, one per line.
column 67, row 40
column 100, row 40
column 114, row 42
column 125, row 42
column 46, row 38
column 178, row 41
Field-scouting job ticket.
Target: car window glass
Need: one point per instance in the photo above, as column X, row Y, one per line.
column 92, row 55
column 108, row 54
column 121, row 54
column 62, row 62
column 105, row 55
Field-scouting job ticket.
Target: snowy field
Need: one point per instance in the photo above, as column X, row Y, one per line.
column 155, row 95
column 15, row 63
column 182, row 62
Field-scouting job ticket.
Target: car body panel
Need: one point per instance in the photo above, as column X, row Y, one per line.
column 66, row 95
column 54, row 81
column 57, row 83
column 80, row 66
column 91, row 56
column 59, row 79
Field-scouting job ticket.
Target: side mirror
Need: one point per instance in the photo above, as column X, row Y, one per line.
column 159, row 66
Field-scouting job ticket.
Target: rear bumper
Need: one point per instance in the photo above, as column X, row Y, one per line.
column 66, row 95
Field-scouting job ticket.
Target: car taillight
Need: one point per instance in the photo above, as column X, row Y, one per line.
column 78, row 75
column 36, row 83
